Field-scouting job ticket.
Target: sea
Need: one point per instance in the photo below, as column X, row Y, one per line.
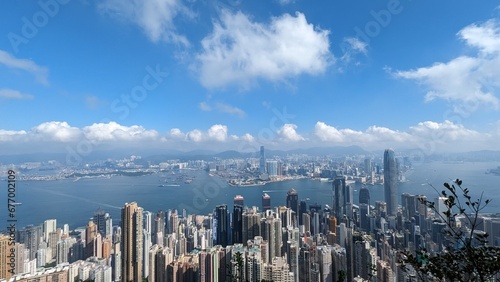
column 74, row 202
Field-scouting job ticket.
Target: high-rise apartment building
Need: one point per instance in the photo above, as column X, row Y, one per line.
column 131, row 242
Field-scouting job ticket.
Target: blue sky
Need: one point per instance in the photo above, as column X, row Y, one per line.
column 236, row 74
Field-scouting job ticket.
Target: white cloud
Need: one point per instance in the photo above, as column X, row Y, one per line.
column 176, row 133
column 14, row 95
column 56, row 131
column 485, row 37
column 467, row 82
column 429, row 136
column 9, row 135
column 288, row 133
column 155, row 17
column 195, row 135
column 41, row 73
column 351, row 46
column 217, row 132
column 240, row 51
column 223, row 108
column 445, row 131
column 113, row 131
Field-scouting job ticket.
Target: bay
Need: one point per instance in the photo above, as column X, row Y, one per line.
column 74, row 202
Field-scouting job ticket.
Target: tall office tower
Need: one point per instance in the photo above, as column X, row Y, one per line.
column 368, row 166
column 5, row 258
column 251, row 225
column 90, row 235
column 292, row 202
column 271, row 232
column 272, row 168
column 339, row 187
column 221, row 225
column 302, row 210
column 239, row 200
column 306, row 220
column 30, row 237
column 266, row 202
column 103, row 222
column 390, row 182
column 131, row 242
column 160, row 222
column 408, row 202
column 237, row 230
column 48, row 226
column 364, row 196
column 305, row 262
column 262, row 162
column 422, row 205
column 364, row 220
column 441, row 208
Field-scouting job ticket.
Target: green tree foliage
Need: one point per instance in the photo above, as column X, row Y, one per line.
column 466, row 255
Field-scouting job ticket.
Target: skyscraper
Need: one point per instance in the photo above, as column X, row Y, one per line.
column 239, row 200
column 262, row 163
column 292, row 202
column 266, row 202
column 338, row 196
column 221, row 224
column 5, row 260
column 131, row 242
column 103, row 222
column 364, row 196
column 390, row 182
column 237, row 230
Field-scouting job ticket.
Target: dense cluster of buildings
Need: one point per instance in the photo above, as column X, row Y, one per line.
column 292, row 243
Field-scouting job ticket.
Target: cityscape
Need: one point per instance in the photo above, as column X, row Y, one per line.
column 346, row 239
column 259, row 141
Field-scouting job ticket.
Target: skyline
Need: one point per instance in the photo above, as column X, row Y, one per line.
column 218, row 75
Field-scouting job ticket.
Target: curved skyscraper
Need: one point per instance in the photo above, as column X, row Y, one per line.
column 390, row 182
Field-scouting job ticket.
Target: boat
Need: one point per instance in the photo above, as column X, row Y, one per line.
column 16, row 204
column 169, row 185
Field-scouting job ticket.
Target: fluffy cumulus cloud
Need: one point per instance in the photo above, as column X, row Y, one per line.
column 56, row 131
column 429, row 135
column 240, row 51
column 155, row 17
column 113, row 131
column 467, row 82
column 445, row 136
column 288, row 133
column 11, row 135
column 217, row 132
column 40, row 73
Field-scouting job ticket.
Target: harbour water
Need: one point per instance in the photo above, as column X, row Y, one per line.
column 74, row 202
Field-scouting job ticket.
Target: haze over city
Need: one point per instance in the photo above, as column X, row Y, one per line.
column 235, row 75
